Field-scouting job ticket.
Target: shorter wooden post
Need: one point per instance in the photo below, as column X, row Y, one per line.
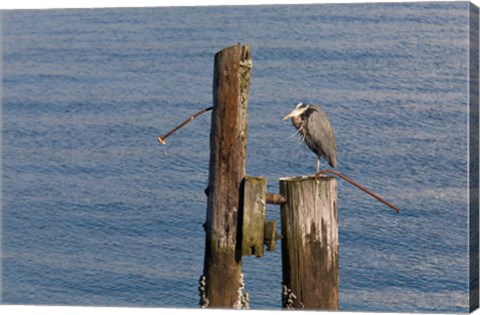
column 309, row 243
column 254, row 191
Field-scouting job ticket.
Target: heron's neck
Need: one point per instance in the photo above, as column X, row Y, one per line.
column 297, row 122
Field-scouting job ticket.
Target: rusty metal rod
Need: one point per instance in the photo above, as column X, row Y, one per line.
column 161, row 139
column 358, row 186
column 275, row 199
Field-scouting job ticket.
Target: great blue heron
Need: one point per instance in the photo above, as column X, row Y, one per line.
column 315, row 130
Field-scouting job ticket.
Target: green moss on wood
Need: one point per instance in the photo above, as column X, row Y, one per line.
column 253, row 215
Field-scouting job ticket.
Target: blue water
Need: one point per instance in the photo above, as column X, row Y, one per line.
column 96, row 212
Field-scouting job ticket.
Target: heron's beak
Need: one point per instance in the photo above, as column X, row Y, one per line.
column 288, row 116
column 295, row 112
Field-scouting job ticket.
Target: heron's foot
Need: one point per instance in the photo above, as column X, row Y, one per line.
column 318, row 175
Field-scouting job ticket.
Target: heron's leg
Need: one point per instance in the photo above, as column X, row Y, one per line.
column 318, row 164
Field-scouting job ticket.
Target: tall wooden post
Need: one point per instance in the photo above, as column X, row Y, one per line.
column 309, row 243
column 222, row 282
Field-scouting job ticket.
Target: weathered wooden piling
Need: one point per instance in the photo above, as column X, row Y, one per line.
column 221, row 282
column 309, row 243
column 236, row 224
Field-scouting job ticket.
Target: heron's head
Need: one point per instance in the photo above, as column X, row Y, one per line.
column 296, row 115
column 298, row 111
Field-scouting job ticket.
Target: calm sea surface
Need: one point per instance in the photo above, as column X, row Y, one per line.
column 96, row 212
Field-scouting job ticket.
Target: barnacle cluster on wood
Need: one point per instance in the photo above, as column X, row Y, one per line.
column 243, row 298
column 288, row 298
column 202, row 288
column 241, row 303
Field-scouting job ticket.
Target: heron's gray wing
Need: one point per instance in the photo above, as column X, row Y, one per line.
column 319, row 135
